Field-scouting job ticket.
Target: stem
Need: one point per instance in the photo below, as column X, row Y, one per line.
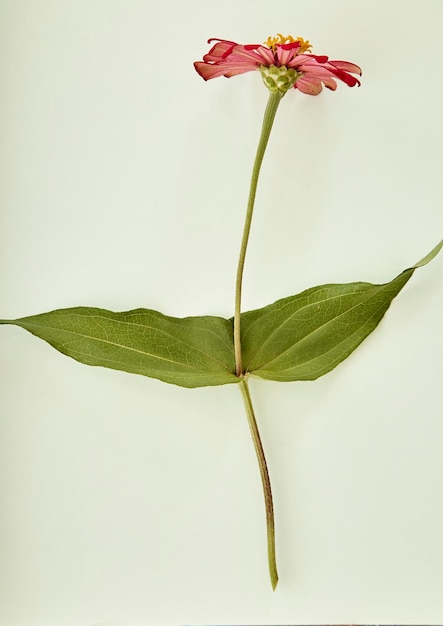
column 268, row 120
column 270, row 527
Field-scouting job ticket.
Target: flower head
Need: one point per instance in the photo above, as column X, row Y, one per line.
column 284, row 62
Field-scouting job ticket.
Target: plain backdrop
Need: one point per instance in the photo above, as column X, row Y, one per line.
column 124, row 178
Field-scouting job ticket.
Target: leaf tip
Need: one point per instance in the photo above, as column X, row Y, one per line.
column 431, row 255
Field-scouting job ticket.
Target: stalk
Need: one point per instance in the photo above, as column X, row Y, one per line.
column 270, row 525
column 268, row 120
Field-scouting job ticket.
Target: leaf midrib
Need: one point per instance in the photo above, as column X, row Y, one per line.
column 179, row 363
column 209, row 356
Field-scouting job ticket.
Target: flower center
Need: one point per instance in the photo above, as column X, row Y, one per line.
column 278, row 78
column 281, row 40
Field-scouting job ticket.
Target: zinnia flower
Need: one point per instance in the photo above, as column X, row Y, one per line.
column 284, row 62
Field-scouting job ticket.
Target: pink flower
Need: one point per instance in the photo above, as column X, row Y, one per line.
column 284, row 62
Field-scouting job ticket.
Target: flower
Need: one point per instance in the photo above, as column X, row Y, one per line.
column 284, row 62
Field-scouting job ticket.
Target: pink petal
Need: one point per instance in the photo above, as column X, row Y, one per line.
column 304, row 59
column 218, row 52
column 310, row 86
column 207, row 71
column 260, row 54
column 346, row 66
column 330, row 83
column 351, row 81
column 285, row 54
column 319, row 59
column 315, row 71
column 221, row 40
column 214, row 70
column 292, row 45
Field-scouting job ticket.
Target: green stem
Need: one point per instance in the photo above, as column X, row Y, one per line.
column 268, row 120
column 270, row 527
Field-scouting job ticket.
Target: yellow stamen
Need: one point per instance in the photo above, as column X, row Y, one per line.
column 280, row 40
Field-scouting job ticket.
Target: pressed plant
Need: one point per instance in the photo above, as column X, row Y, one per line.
column 301, row 337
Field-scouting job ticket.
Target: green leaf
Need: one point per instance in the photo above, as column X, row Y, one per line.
column 190, row 352
column 305, row 336
column 298, row 338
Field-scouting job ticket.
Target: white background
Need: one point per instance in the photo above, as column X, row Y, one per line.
column 128, row 502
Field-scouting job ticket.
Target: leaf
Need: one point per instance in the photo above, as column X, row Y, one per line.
column 305, row 336
column 190, row 352
column 297, row 338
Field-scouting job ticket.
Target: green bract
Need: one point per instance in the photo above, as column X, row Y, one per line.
column 280, row 79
